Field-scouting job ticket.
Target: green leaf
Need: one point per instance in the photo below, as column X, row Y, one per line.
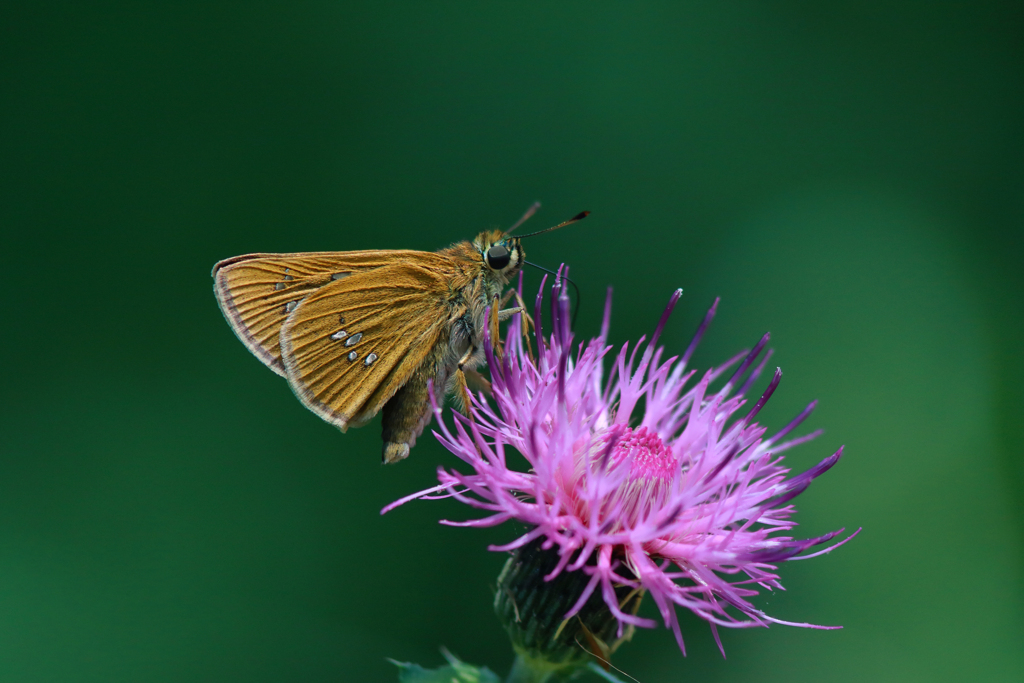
column 456, row 671
column 606, row 675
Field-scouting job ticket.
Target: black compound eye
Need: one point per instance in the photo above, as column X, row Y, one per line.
column 498, row 257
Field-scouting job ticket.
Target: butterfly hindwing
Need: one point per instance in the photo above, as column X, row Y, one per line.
column 351, row 344
column 257, row 292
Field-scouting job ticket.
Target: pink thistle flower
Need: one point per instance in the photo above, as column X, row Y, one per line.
column 686, row 500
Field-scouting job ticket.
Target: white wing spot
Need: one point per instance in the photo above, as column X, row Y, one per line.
column 339, row 335
column 290, row 306
column 353, row 355
column 338, row 276
column 354, row 339
column 280, row 285
column 369, row 359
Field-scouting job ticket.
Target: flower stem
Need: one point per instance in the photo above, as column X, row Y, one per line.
column 528, row 670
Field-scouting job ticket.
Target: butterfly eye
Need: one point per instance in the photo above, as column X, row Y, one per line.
column 498, row 257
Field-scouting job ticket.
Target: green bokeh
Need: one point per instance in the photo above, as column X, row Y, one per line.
column 849, row 177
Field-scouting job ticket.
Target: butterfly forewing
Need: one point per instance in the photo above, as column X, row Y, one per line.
column 350, row 345
column 257, row 292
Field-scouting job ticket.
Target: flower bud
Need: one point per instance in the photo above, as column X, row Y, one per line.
column 533, row 611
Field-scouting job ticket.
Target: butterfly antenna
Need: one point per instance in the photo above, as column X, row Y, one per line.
column 526, row 216
column 576, row 308
column 578, row 217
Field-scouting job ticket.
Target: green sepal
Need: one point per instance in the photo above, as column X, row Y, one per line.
column 456, row 671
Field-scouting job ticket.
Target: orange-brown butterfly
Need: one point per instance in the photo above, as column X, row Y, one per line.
column 357, row 332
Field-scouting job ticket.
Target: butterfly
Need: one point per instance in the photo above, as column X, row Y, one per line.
column 361, row 332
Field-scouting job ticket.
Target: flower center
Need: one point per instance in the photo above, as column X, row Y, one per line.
column 651, row 471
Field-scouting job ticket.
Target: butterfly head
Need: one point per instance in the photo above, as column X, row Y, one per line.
column 502, row 254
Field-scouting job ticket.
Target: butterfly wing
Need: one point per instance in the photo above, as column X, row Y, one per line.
column 351, row 344
column 257, row 292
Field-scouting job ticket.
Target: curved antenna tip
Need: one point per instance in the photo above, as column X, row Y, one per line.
column 525, row 217
column 578, row 217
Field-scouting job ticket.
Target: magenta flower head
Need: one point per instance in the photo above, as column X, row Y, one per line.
column 684, row 499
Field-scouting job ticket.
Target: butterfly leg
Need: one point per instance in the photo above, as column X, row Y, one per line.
column 460, row 388
column 526, row 322
column 460, row 392
column 492, row 323
column 498, row 315
column 502, row 316
column 506, row 313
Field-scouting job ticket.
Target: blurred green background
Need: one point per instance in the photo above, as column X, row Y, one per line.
column 849, row 176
